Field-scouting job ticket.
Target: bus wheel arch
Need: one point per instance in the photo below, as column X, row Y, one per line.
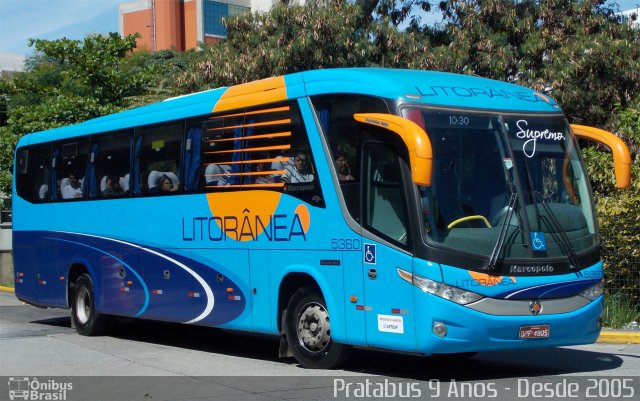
column 304, row 321
column 82, row 300
column 75, row 271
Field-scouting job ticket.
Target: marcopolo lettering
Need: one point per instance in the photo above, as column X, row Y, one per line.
column 278, row 227
column 531, row 269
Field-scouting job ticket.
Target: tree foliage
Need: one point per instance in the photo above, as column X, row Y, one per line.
column 66, row 82
column 295, row 38
column 578, row 51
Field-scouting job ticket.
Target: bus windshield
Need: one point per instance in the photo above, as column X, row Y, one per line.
column 482, row 161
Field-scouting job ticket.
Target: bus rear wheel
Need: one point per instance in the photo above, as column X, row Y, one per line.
column 308, row 331
column 87, row 321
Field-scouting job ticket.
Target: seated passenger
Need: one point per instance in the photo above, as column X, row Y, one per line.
column 165, row 185
column 73, row 189
column 218, row 175
column 342, row 167
column 298, row 172
column 113, row 187
column 267, row 178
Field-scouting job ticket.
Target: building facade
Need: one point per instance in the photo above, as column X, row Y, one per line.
column 181, row 24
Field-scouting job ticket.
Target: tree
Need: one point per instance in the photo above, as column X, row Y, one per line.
column 578, row 51
column 66, row 82
column 293, row 38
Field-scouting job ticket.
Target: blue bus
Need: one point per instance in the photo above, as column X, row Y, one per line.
column 412, row 211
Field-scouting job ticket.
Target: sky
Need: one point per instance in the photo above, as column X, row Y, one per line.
column 74, row 19
column 53, row 19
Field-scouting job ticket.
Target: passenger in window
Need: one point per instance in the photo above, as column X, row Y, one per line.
column 267, row 178
column 72, row 189
column 298, row 172
column 113, row 186
column 166, row 185
column 342, row 167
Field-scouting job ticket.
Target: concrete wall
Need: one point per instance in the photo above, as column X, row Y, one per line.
column 6, row 268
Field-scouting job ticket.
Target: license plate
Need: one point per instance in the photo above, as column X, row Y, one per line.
column 532, row 332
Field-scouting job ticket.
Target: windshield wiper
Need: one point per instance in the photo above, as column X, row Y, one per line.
column 504, row 228
column 565, row 242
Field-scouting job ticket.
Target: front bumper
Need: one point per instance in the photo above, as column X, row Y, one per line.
column 469, row 330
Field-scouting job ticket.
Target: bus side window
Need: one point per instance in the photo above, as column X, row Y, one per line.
column 261, row 148
column 384, row 210
column 70, row 170
column 33, row 173
column 109, row 172
column 345, row 136
column 157, row 151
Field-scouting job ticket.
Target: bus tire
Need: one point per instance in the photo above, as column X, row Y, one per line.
column 86, row 320
column 308, row 331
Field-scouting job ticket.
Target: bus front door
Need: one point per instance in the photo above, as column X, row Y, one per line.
column 385, row 249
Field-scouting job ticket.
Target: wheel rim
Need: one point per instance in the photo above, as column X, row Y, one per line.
column 313, row 327
column 83, row 305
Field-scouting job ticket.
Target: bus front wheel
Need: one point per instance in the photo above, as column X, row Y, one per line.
column 87, row 321
column 308, row 331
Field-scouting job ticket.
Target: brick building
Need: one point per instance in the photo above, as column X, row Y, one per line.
column 164, row 24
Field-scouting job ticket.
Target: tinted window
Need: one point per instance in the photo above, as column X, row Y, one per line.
column 384, row 210
column 70, row 161
column 110, row 168
column 345, row 137
column 262, row 148
column 157, row 159
column 33, row 170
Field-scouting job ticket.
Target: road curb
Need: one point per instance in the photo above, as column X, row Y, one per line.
column 619, row 337
column 7, row 289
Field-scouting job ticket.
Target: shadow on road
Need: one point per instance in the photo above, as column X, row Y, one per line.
column 487, row 365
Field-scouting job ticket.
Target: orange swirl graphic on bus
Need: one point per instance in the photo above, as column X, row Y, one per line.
column 243, row 217
column 489, row 281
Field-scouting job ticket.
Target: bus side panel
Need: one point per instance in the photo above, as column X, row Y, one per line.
column 226, row 273
column 261, row 313
column 353, row 286
column 24, row 267
column 115, row 270
column 171, row 288
column 118, row 282
column 38, row 276
column 328, row 278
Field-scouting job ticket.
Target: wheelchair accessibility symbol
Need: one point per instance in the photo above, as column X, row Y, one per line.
column 370, row 254
column 537, row 241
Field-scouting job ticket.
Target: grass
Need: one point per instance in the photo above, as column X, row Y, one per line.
column 619, row 311
column 10, row 285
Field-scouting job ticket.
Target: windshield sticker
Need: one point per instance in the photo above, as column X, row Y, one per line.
column 537, row 241
column 529, row 147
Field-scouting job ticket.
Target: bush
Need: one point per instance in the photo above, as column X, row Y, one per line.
column 619, row 210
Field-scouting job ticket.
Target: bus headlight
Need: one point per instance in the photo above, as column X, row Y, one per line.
column 594, row 291
column 441, row 290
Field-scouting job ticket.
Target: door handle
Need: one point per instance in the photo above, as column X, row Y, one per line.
column 372, row 274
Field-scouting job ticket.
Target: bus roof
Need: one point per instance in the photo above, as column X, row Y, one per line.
column 421, row 87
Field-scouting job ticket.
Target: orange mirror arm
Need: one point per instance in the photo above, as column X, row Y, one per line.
column 413, row 136
column 621, row 154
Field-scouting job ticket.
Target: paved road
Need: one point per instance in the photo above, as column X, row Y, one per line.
column 203, row 361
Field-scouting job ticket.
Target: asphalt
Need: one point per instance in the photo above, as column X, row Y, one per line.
column 607, row 336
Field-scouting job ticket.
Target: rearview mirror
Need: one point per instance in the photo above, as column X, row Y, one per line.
column 621, row 155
